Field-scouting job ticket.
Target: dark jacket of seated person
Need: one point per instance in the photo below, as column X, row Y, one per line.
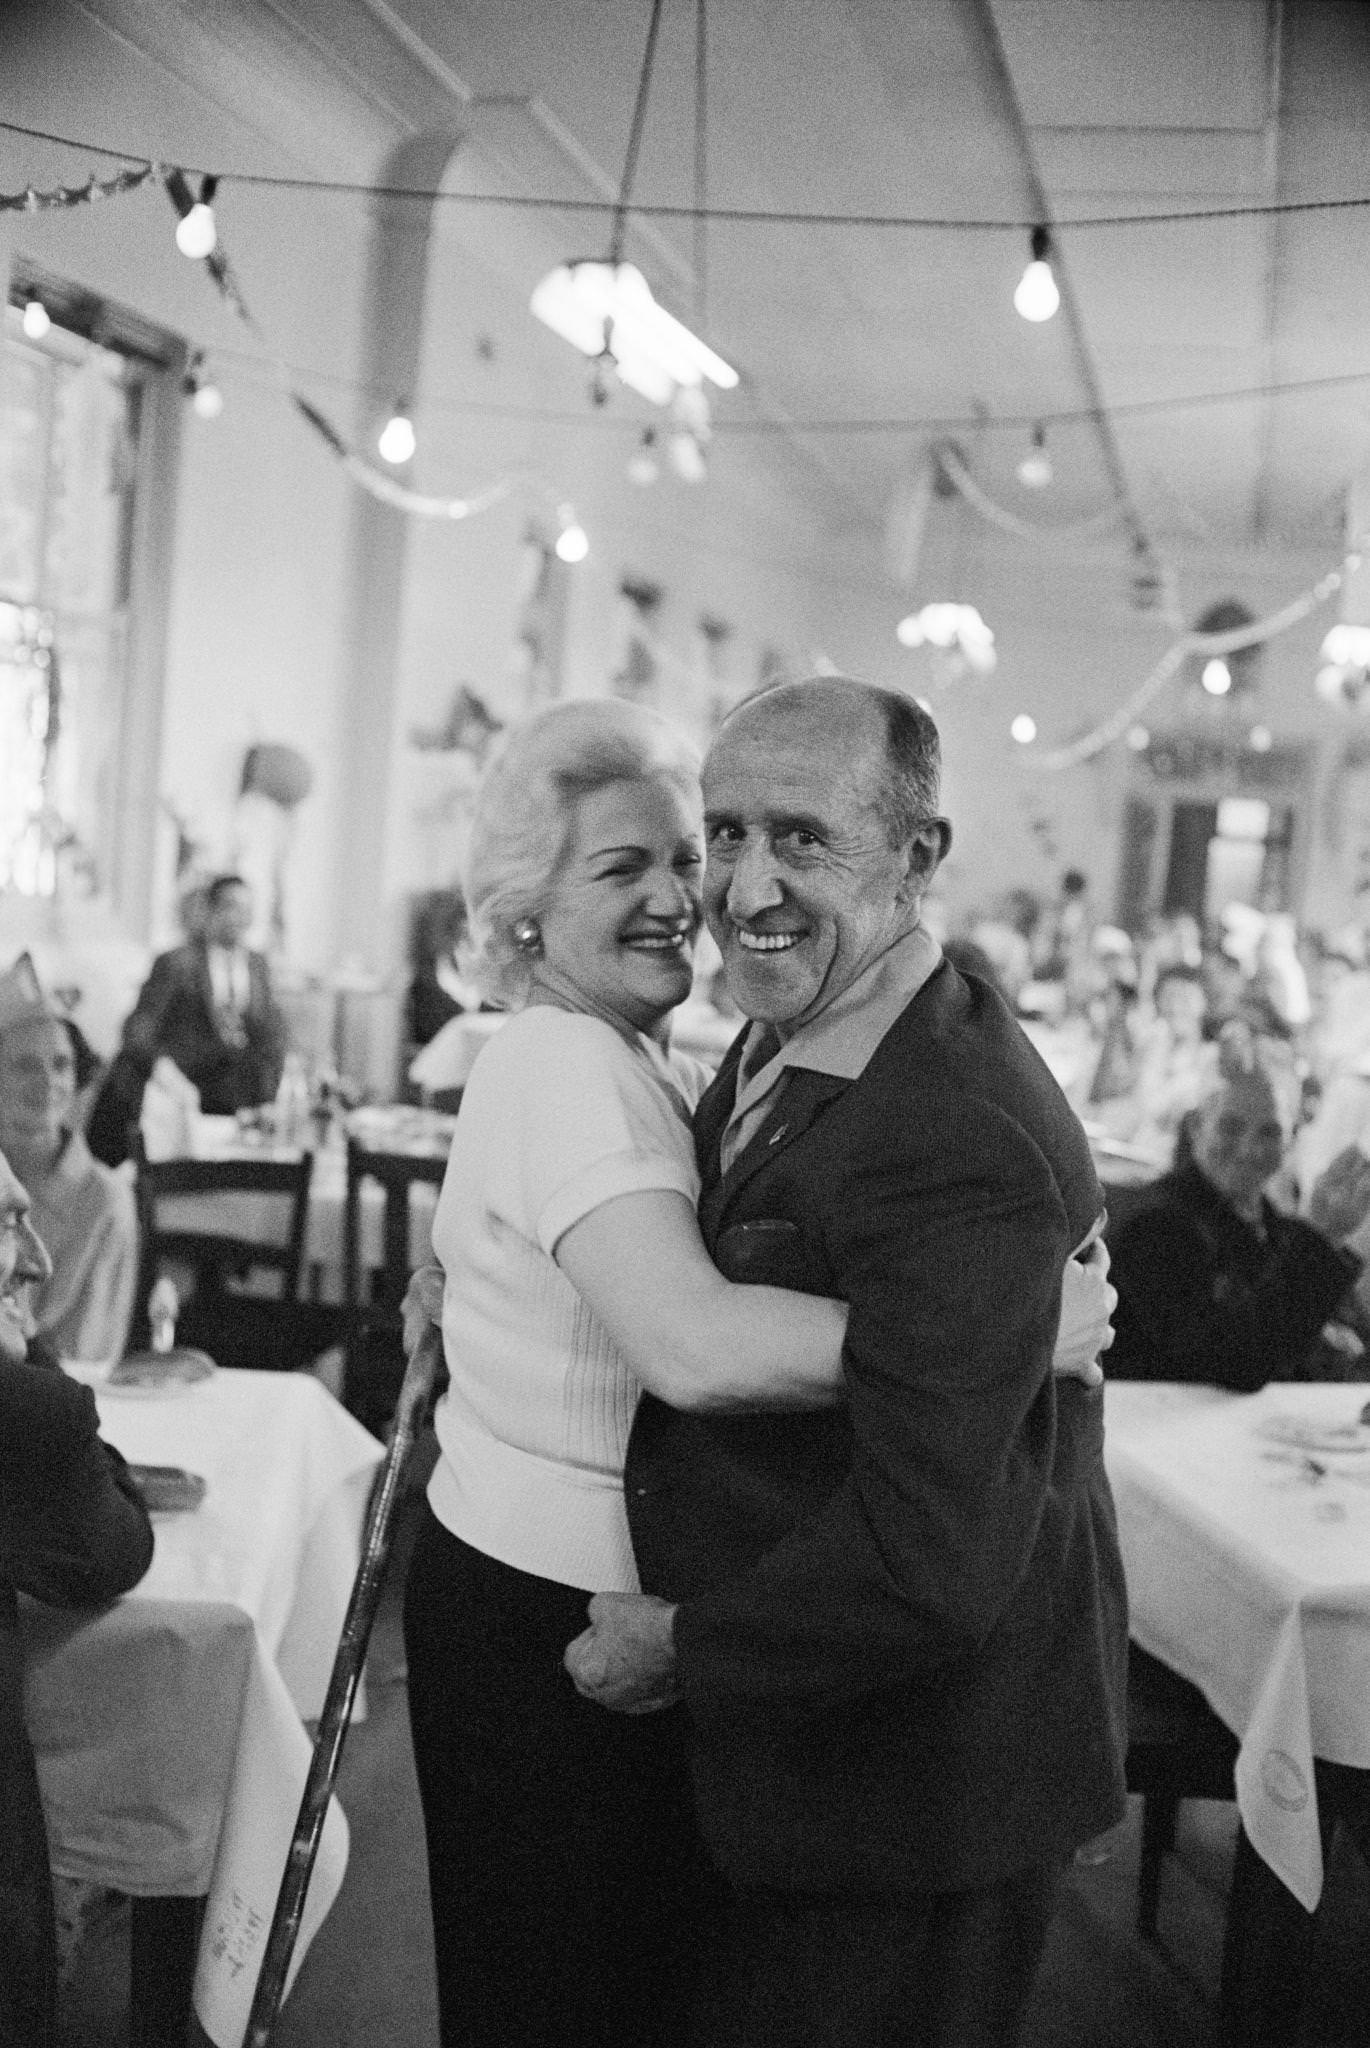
column 73, row 1532
column 1214, row 1283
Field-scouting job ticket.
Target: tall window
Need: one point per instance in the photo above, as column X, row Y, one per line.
column 83, row 447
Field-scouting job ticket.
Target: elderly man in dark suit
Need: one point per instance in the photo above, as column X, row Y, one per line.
column 899, row 1628
column 208, row 1005
column 73, row 1531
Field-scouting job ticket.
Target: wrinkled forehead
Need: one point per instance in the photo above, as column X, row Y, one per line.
column 825, row 755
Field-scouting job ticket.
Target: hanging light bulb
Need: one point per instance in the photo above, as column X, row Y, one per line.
column 196, row 233
column 1138, row 738
column 572, row 543
column 1216, row 677
column 643, row 467
column 1035, row 469
column 1037, row 297
column 397, row 440
column 1260, row 739
column 207, row 401
column 36, row 319
column 1023, row 729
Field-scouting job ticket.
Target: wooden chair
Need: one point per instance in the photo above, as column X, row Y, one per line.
column 228, row 1313
column 374, row 1369
column 1177, row 1749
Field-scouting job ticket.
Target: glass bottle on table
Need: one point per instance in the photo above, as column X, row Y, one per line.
column 292, row 1117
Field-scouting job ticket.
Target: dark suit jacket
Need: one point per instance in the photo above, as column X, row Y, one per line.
column 73, row 1531
column 175, row 1015
column 1202, row 1296
column 903, row 1633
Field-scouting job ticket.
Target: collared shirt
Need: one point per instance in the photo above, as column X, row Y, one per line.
column 840, row 1040
column 231, row 979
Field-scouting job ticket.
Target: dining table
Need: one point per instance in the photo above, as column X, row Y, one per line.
column 1244, row 1522
column 169, row 1728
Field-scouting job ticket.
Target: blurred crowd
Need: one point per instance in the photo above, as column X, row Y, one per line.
column 1136, row 1029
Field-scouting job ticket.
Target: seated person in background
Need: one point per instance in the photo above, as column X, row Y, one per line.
column 1172, row 1065
column 74, row 1532
column 84, row 1213
column 208, row 1006
column 1214, row 1283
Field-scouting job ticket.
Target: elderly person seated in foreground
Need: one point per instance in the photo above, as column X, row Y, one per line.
column 73, row 1532
column 1217, row 1285
column 84, row 1213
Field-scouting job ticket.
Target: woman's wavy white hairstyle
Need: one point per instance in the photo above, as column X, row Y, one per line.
column 524, row 811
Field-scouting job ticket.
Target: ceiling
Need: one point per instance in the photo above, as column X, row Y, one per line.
column 1209, row 379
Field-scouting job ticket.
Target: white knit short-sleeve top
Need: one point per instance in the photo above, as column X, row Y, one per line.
column 561, row 1114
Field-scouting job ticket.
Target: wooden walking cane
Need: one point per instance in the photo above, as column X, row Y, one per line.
column 342, row 1690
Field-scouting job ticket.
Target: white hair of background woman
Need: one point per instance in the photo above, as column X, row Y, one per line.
column 524, row 812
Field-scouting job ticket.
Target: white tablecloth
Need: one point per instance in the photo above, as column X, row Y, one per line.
column 1245, row 1527
column 168, row 1731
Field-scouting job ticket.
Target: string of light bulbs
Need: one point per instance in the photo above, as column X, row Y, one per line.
column 197, row 237
column 742, row 216
column 998, row 515
column 1256, row 633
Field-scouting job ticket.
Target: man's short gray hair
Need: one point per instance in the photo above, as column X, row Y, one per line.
column 911, row 787
column 525, row 807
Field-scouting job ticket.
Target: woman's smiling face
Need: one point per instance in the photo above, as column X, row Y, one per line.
column 619, row 926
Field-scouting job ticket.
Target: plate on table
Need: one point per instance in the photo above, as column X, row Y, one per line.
column 1314, row 1433
column 155, row 1375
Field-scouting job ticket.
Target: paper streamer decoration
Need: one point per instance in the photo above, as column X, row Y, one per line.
column 1253, row 635
column 31, row 200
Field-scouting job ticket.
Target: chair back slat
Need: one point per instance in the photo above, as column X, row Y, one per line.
column 375, row 1297
column 283, row 1180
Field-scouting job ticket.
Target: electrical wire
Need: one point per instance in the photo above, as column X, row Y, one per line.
column 737, row 216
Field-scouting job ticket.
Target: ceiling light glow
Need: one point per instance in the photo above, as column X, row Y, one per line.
column 397, row 440
column 1037, row 296
column 608, row 309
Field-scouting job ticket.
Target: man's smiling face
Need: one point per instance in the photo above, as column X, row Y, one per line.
column 802, row 887
column 24, row 1264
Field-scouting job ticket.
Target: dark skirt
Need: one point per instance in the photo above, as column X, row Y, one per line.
column 572, row 1899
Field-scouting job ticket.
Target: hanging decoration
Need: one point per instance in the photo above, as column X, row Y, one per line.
column 31, row 200
column 956, row 472
column 387, row 489
column 1214, row 645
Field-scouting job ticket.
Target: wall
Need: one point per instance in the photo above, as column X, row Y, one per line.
column 264, row 590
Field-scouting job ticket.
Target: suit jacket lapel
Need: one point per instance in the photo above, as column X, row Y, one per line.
column 800, row 1099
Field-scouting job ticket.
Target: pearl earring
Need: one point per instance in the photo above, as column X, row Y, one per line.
column 527, row 937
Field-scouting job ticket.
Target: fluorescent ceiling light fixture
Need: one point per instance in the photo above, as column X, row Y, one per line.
column 606, row 308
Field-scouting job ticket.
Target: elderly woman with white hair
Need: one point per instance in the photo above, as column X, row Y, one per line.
column 570, row 1896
